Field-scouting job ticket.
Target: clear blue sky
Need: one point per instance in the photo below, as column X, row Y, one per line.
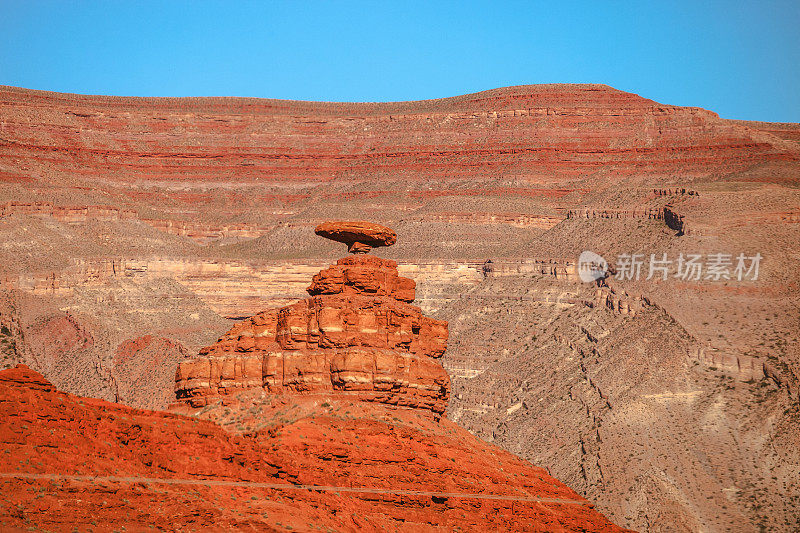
column 739, row 59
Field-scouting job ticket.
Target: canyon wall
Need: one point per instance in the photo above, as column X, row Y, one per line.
column 133, row 231
column 567, row 129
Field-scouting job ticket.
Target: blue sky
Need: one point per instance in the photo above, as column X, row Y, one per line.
column 739, row 59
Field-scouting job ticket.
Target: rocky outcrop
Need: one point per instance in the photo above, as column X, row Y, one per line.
column 675, row 191
column 358, row 334
column 551, row 268
column 21, row 376
column 671, row 218
column 617, row 301
column 368, row 275
column 652, row 213
column 740, row 366
column 750, row 368
column 675, row 221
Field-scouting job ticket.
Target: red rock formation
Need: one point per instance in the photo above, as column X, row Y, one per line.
column 503, row 162
column 544, row 133
column 73, row 462
column 22, row 376
column 357, row 334
column 363, row 275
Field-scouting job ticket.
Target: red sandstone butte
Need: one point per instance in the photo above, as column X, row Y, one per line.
column 530, row 176
column 357, row 334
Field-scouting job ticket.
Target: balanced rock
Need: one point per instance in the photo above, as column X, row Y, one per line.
column 357, row 334
column 359, row 236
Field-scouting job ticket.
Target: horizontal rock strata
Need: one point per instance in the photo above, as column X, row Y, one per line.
column 535, row 131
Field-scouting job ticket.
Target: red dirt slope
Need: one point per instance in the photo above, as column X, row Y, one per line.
column 373, row 468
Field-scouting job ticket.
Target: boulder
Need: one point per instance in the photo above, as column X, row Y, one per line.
column 359, row 236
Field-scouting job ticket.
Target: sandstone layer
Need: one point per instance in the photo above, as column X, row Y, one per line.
column 359, row 236
column 566, row 129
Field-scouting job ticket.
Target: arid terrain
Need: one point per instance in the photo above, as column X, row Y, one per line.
column 136, row 231
column 325, row 413
column 337, row 465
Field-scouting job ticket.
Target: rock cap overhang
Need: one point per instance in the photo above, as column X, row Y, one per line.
column 359, row 236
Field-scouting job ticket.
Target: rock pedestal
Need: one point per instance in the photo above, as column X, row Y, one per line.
column 357, row 334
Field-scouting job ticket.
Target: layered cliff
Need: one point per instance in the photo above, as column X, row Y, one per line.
column 538, row 131
column 201, row 233
column 135, row 230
